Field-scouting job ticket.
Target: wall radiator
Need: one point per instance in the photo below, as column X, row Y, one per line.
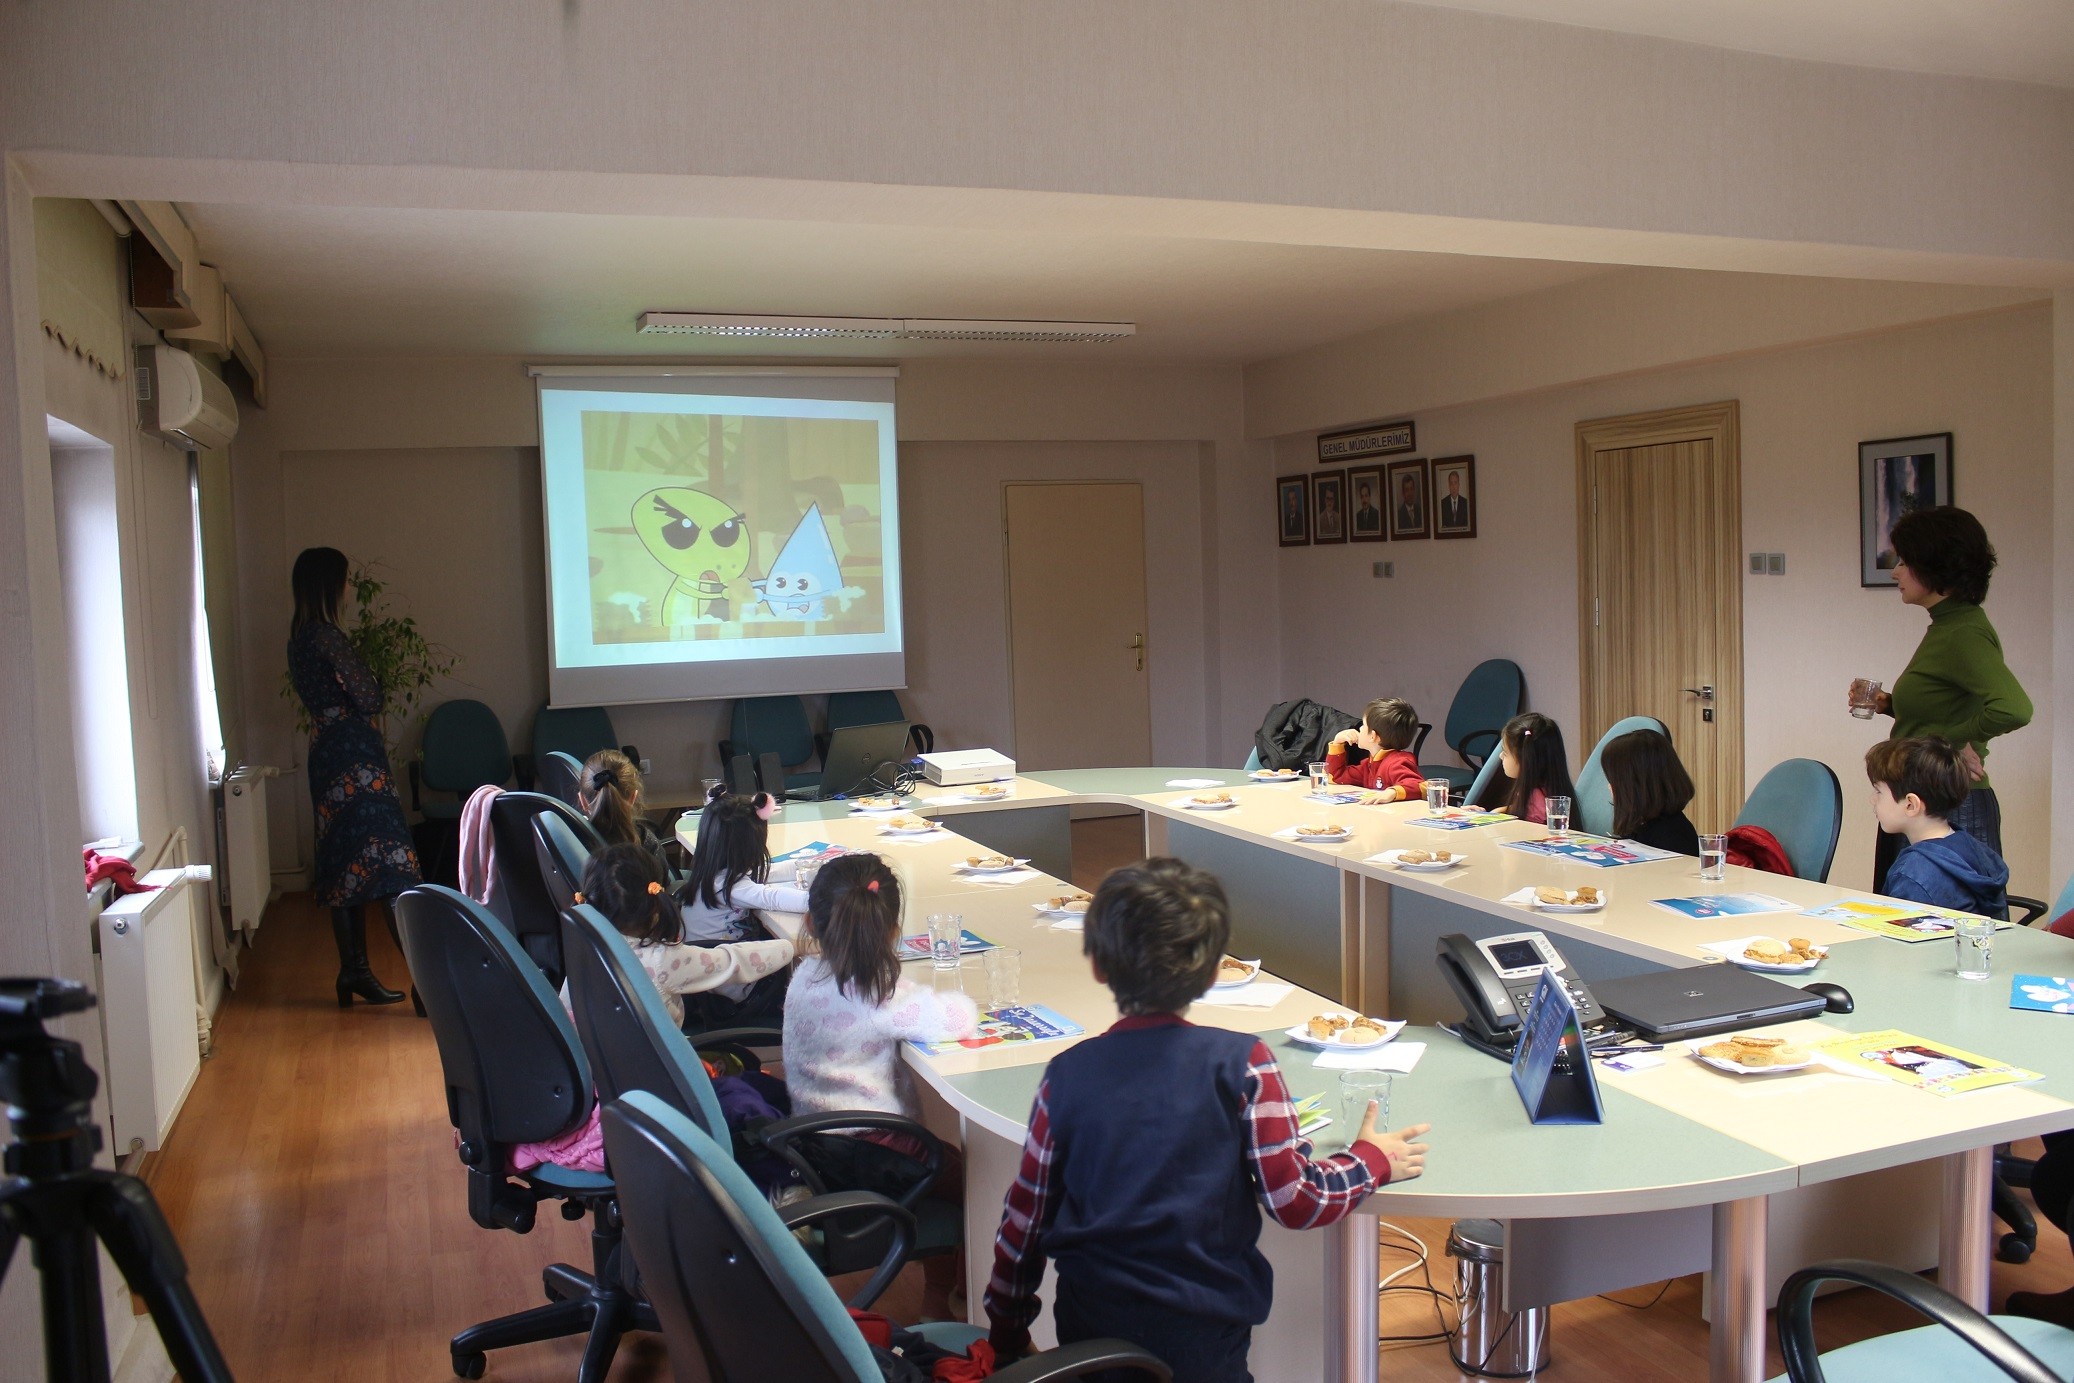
column 148, row 1007
column 247, row 860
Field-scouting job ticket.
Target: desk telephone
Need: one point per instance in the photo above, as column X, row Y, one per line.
column 1495, row 977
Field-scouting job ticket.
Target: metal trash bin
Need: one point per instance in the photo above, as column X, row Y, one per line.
column 1491, row 1342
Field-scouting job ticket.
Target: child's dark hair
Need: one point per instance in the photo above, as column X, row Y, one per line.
column 1391, row 720
column 1537, row 744
column 610, row 783
column 625, row 882
column 733, row 843
column 1157, row 929
column 1928, row 767
column 1947, row 550
column 1646, row 779
column 853, row 917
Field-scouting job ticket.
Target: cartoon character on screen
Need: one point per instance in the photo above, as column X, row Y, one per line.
column 804, row 573
column 701, row 541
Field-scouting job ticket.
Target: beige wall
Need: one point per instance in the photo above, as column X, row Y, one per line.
column 1512, row 592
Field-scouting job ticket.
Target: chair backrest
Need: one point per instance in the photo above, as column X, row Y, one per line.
column 730, row 1285
column 513, row 1068
column 2064, row 904
column 564, row 852
column 1802, row 805
column 522, row 895
column 625, row 1030
column 863, row 708
column 773, row 725
column 1483, row 778
column 1253, row 759
column 465, row 748
column 1591, row 805
column 1492, row 693
column 557, row 775
column 578, row 731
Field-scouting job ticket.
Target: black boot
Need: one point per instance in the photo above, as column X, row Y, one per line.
column 349, row 931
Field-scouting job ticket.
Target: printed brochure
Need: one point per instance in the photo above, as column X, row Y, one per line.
column 916, row 947
column 1020, row 1023
column 1919, row 1062
column 1902, row 921
column 1711, row 905
column 1458, row 819
column 1601, row 852
column 2042, row 993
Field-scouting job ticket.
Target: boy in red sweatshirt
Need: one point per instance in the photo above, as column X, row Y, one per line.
column 1386, row 727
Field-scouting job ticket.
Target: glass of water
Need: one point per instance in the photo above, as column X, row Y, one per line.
column 1713, row 858
column 1436, row 790
column 1976, row 941
column 1559, row 816
column 1321, row 774
column 1356, row 1089
column 1865, row 698
column 805, row 872
column 1004, row 977
column 946, row 939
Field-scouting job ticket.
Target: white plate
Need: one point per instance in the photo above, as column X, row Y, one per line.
column 1732, row 952
column 1192, row 805
column 866, row 807
column 1599, row 906
column 1736, row 1068
column 1395, row 859
column 1301, row 1035
column 1269, row 775
column 1341, row 838
column 991, row 868
column 921, row 830
column 1059, row 914
column 1252, row 973
column 985, row 793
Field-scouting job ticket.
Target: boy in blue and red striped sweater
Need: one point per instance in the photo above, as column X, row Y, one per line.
column 1150, row 1144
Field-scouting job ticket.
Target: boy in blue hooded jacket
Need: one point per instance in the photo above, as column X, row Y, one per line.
column 1916, row 784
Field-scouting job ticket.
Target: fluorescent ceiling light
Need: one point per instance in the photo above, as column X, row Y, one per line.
column 875, row 328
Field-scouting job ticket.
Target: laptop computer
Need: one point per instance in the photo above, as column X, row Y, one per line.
column 1700, row 1000
column 855, row 754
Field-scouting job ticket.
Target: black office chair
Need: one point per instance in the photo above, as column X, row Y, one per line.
column 563, row 853
column 515, row 1073
column 733, row 1288
column 557, row 775
column 1961, row 1342
column 873, row 708
column 520, row 896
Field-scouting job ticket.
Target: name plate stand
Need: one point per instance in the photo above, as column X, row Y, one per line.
column 1551, row 1067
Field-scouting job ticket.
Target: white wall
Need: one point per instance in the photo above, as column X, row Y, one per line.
column 1512, row 592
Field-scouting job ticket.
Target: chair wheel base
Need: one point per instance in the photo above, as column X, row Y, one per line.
column 470, row 1365
column 2014, row 1248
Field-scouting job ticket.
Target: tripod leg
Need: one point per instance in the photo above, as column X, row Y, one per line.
column 142, row 1244
column 75, row 1342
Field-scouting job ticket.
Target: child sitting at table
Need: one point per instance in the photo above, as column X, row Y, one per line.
column 1533, row 766
column 1650, row 789
column 730, row 878
column 848, row 1011
column 608, row 793
column 1916, row 785
column 1386, row 727
column 1150, row 1144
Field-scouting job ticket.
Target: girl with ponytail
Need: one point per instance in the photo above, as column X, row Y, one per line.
column 1533, row 766
column 730, row 881
column 609, row 793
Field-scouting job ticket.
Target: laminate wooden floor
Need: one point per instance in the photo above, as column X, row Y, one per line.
column 313, row 1185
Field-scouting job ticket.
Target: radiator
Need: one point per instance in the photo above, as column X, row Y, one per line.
column 247, row 863
column 148, row 1003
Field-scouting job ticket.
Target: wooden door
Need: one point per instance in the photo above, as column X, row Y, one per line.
column 1662, row 590
column 1078, row 644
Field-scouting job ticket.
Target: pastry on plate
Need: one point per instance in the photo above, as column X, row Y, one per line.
column 1585, row 896
column 1360, row 1033
column 909, row 823
column 1211, row 799
column 1558, row 897
column 1321, row 830
column 1069, row 902
column 988, row 861
column 1325, row 1025
column 1230, row 971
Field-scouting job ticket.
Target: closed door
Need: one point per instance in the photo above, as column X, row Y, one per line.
column 1076, row 625
column 1662, row 590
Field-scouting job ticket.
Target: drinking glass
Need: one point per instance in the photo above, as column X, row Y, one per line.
column 1559, row 816
column 1713, row 858
column 1437, row 790
column 1321, row 774
column 1004, row 977
column 1356, row 1089
column 806, row 871
column 946, row 938
column 972, row 978
column 1976, row 941
column 1865, row 698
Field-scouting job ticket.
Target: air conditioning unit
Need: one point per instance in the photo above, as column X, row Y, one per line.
column 182, row 402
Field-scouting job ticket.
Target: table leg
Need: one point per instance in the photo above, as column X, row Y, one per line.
column 1736, row 1343
column 1353, row 1271
column 1962, row 1229
column 1155, row 834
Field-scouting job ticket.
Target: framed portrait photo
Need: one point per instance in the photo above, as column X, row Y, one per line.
column 1408, row 496
column 1328, row 506
column 1454, row 497
column 1895, row 477
column 1293, row 510
column 1365, row 500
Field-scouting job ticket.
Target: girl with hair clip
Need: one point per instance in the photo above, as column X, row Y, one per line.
column 730, row 879
column 847, row 1014
column 608, row 792
column 1650, row 789
column 1533, row 766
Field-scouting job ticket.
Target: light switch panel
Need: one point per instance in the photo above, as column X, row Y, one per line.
column 1776, row 562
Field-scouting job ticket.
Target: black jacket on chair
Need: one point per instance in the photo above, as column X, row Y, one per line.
column 1295, row 733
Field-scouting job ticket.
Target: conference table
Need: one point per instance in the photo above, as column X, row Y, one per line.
column 1680, row 1175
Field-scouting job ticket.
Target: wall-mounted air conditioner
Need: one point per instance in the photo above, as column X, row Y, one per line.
column 182, row 402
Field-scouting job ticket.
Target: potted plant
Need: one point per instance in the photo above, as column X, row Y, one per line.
column 404, row 662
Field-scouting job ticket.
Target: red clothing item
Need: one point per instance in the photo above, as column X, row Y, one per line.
column 1393, row 768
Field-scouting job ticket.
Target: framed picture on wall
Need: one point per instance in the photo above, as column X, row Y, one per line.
column 1365, row 504
column 1896, row 476
column 1409, row 492
column 1293, row 510
column 1454, row 497
column 1329, row 506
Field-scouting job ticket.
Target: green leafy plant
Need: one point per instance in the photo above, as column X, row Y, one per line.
column 404, row 662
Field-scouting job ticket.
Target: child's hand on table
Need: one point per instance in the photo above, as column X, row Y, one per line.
column 1407, row 1159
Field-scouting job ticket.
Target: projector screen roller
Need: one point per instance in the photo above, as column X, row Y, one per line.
column 719, row 533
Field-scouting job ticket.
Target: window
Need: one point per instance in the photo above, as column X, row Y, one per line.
column 209, row 716
column 83, row 491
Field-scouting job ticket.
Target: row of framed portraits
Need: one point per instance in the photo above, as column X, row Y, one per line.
column 1394, row 502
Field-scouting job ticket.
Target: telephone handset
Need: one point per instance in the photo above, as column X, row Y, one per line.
column 1494, row 977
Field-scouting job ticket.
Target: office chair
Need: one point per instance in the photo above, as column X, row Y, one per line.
column 521, row 898
column 734, row 1290
column 515, row 1073
column 563, row 853
column 1494, row 692
column 775, row 725
column 1800, row 802
column 873, row 708
column 578, row 731
column 1591, row 800
column 463, row 748
column 1961, row 1344
column 558, row 775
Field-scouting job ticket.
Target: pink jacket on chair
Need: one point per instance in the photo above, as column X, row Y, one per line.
column 478, row 862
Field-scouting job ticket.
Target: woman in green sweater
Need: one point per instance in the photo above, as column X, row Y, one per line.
column 1957, row 685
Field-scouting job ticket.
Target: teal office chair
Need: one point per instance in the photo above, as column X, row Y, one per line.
column 556, row 774
column 732, row 1287
column 1253, row 759
column 1591, row 805
column 874, row 708
column 578, row 731
column 1481, row 781
column 1962, row 1344
column 1802, row 805
column 464, row 749
column 2032, row 909
column 777, row 725
column 1494, row 692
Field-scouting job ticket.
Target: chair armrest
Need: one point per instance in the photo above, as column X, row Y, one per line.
column 899, row 1219
column 1474, row 757
column 747, row 1037
column 1418, row 743
column 415, row 771
column 1078, row 1360
column 1797, row 1328
column 780, row 1134
column 2032, row 909
column 923, row 738
column 522, row 768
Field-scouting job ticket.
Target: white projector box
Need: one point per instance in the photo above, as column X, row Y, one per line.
column 955, row 767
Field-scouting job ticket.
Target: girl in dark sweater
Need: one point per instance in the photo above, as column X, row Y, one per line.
column 1650, row 791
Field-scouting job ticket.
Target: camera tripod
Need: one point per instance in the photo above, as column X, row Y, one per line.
column 53, row 1196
